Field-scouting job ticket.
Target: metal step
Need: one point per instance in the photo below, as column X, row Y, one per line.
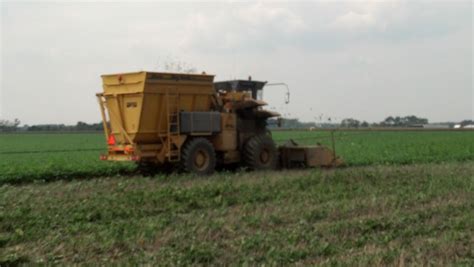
column 174, row 152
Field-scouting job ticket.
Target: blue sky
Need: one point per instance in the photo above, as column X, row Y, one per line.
column 360, row 59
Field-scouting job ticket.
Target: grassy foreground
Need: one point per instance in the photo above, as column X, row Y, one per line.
column 412, row 214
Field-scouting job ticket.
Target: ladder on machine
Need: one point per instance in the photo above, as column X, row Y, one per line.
column 173, row 130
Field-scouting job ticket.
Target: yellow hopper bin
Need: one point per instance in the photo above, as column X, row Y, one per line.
column 141, row 127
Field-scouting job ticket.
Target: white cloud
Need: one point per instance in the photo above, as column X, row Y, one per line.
column 264, row 26
column 261, row 15
column 353, row 21
column 240, row 25
column 340, row 58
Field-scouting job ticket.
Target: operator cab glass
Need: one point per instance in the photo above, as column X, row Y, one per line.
column 254, row 88
column 260, row 94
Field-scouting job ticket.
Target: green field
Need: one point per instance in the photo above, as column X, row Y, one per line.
column 80, row 152
column 406, row 198
column 412, row 214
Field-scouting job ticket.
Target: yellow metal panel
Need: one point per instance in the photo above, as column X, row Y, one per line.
column 131, row 110
column 115, row 118
column 123, row 83
column 130, row 77
column 227, row 139
column 228, row 121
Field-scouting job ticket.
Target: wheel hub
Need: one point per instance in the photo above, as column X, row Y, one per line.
column 265, row 156
column 201, row 160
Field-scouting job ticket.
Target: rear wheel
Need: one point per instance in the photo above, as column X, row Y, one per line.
column 198, row 156
column 260, row 153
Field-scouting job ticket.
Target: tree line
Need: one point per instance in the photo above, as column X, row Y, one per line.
column 14, row 126
column 390, row 121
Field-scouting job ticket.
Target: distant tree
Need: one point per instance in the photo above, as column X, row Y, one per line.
column 172, row 64
column 180, row 67
column 80, row 126
column 48, row 127
column 411, row 120
column 9, row 126
column 289, row 123
column 466, row 122
column 364, row 124
column 403, row 121
column 389, row 121
column 350, row 123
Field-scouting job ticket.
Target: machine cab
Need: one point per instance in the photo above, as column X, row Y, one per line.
column 255, row 88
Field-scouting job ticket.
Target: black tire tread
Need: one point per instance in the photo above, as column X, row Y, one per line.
column 252, row 149
column 187, row 151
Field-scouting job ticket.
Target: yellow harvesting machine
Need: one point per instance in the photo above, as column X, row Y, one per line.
column 190, row 121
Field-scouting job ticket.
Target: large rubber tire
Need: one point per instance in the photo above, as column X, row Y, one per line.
column 260, row 153
column 198, row 156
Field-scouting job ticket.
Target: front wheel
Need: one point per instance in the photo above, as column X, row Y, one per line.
column 198, row 156
column 260, row 153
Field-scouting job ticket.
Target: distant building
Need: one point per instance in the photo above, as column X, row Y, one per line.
column 436, row 126
column 467, row 126
column 416, row 126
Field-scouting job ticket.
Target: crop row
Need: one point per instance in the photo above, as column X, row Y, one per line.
column 30, row 157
